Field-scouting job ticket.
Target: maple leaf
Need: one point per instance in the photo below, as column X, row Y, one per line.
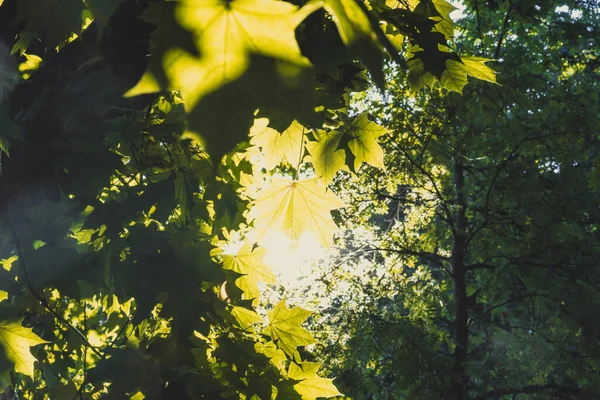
column 294, row 207
column 246, row 318
column 445, row 24
column 249, row 262
column 454, row 78
column 285, row 328
column 55, row 19
column 288, row 145
column 16, row 340
column 227, row 34
column 311, row 385
column 276, row 356
column 325, row 156
column 364, row 146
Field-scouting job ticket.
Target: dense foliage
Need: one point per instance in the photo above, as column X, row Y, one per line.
column 148, row 147
column 469, row 268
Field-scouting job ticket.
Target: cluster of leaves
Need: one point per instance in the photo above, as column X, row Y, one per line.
column 469, row 269
column 132, row 213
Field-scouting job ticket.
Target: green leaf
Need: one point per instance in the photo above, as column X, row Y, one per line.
column 311, row 386
column 325, row 156
column 55, row 19
column 276, row 356
column 454, row 78
column 294, row 207
column 285, row 328
column 9, row 131
column 364, row 146
column 15, row 340
column 30, row 65
column 288, row 145
column 357, row 33
column 248, row 261
column 226, row 34
column 102, row 10
column 246, row 318
column 445, row 24
column 248, row 56
column 476, row 68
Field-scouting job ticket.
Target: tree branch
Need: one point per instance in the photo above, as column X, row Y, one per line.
column 503, row 31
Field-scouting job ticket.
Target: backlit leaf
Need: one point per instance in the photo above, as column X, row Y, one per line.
column 249, row 262
column 454, row 78
column 15, row 340
column 276, row 146
column 226, row 34
column 246, row 318
column 311, row 385
column 294, row 207
column 364, row 146
column 325, row 156
column 285, row 328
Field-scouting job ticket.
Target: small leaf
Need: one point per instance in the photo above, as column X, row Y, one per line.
column 16, row 340
column 454, row 78
column 285, row 328
column 249, row 262
column 311, row 386
column 276, row 356
column 276, row 146
column 476, row 67
column 325, row 156
column 246, row 318
column 364, row 146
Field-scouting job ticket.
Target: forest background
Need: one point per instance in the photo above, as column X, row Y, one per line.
column 156, row 155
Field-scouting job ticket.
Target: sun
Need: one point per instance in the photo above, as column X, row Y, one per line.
column 290, row 259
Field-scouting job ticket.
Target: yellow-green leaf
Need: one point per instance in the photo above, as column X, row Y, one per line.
column 476, row 67
column 249, row 262
column 276, row 356
column 16, row 340
column 352, row 23
column 325, row 156
column 285, row 328
column 445, row 26
column 3, row 295
column 294, row 207
column 454, row 78
column 364, row 146
column 7, row 263
column 227, row 34
column 311, row 385
column 245, row 318
column 276, row 146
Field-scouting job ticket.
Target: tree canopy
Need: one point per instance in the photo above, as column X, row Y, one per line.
column 151, row 148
